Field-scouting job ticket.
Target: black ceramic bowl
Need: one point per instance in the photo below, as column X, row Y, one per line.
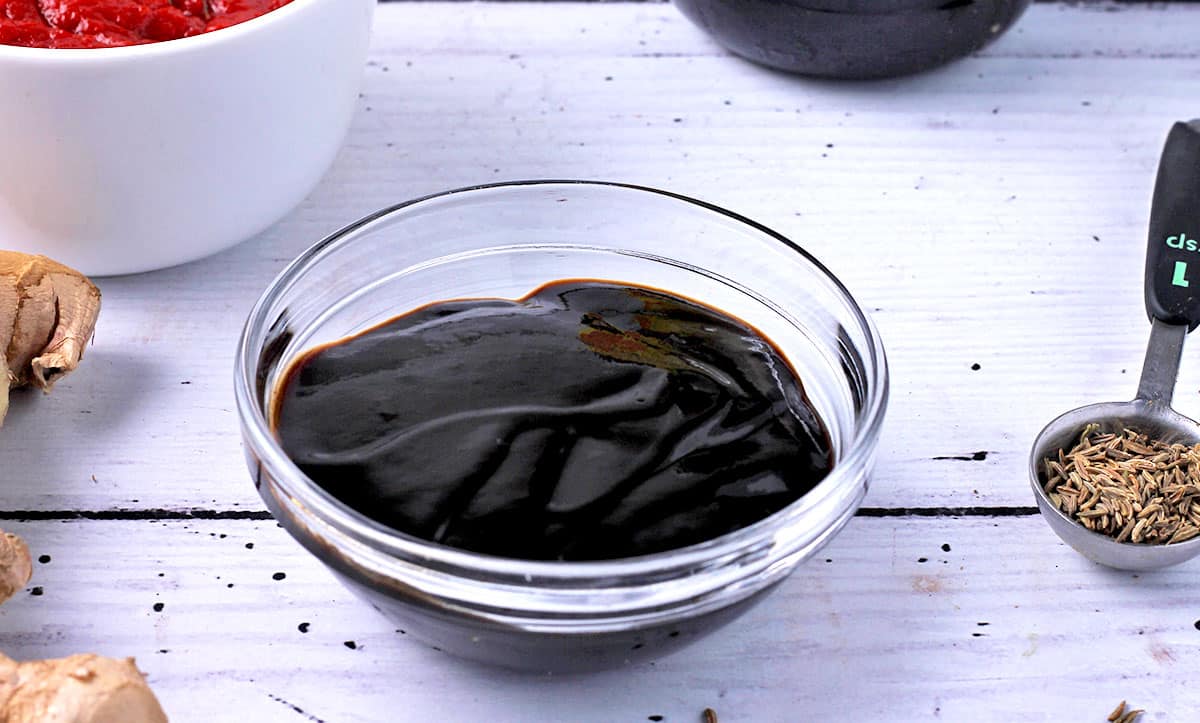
column 853, row 38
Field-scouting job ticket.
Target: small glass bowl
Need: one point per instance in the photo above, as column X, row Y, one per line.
column 503, row 241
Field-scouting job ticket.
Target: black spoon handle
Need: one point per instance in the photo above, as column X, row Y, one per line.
column 1173, row 254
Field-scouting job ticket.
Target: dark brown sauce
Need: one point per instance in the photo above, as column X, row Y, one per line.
column 589, row 420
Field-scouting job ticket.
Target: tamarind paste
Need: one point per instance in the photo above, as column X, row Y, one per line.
column 588, row 420
column 109, row 23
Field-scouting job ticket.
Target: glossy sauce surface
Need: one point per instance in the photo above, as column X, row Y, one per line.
column 113, row 23
column 589, row 420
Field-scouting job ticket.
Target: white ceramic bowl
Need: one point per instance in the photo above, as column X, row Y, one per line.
column 120, row 160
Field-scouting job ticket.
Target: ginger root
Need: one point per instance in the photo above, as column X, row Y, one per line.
column 47, row 314
column 77, row 689
column 16, row 567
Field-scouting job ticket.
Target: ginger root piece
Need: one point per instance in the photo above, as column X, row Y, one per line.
column 16, row 567
column 47, row 315
column 84, row 688
column 77, row 689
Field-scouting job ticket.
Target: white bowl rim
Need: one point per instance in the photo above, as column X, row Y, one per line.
column 192, row 43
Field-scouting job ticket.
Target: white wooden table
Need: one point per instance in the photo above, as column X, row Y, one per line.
column 991, row 216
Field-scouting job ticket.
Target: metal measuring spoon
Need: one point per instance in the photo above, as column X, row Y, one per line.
column 1173, row 303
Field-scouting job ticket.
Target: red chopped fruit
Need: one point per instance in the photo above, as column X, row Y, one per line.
column 18, row 10
column 107, row 23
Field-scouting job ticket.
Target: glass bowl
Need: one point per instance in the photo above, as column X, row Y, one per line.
column 505, row 240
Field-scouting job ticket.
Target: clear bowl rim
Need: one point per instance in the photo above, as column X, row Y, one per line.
column 318, row 503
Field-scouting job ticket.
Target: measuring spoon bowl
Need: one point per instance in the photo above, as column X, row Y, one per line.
column 1152, row 418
